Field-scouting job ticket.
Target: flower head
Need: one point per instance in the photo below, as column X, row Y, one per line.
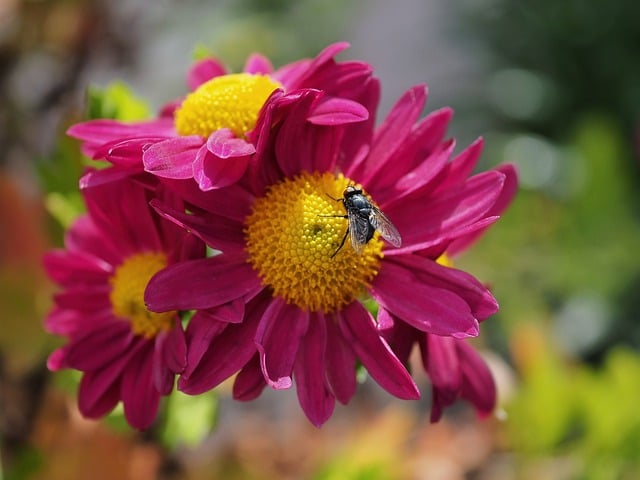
column 211, row 135
column 292, row 305
column 126, row 352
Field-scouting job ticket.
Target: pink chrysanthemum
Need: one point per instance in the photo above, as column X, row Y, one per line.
column 126, row 353
column 279, row 284
column 209, row 135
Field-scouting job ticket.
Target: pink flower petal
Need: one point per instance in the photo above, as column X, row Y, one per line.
column 293, row 75
column 462, row 166
column 441, row 216
column 174, row 349
column 440, row 360
column 217, row 232
column 139, row 395
column 227, row 352
column 173, row 158
column 421, row 158
column 314, row 395
column 212, row 172
column 103, row 176
column 249, row 382
column 427, row 308
column 203, row 71
column 99, row 390
column 258, row 64
column 302, row 146
column 201, row 283
column 396, row 126
column 507, row 194
column 466, row 286
column 200, row 334
column 98, row 132
column 341, row 363
column 110, row 339
column 224, row 144
column 478, row 386
column 337, row 111
column 359, row 330
column 161, row 375
column 277, row 339
column 98, row 394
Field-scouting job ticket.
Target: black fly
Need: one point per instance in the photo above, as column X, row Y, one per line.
column 364, row 219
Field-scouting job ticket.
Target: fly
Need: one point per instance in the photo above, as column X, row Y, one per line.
column 364, row 219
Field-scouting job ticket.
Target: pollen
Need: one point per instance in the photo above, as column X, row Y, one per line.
column 127, row 294
column 229, row 101
column 291, row 236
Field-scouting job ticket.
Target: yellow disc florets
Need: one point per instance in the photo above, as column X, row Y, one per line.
column 291, row 237
column 127, row 294
column 229, row 101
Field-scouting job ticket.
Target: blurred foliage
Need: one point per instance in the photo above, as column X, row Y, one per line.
column 571, row 56
column 570, row 411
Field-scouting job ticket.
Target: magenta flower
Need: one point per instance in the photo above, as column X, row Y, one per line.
column 125, row 352
column 291, row 304
column 209, row 135
column 455, row 369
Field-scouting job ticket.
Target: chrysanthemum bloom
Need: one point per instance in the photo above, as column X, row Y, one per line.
column 295, row 300
column 209, row 135
column 455, row 369
column 125, row 352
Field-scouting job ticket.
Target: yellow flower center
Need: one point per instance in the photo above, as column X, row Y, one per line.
column 229, row 101
column 291, row 239
column 127, row 294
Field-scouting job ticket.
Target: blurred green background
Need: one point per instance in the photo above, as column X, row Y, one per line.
column 552, row 86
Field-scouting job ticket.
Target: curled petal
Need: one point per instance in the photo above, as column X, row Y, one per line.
column 277, row 339
column 173, row 158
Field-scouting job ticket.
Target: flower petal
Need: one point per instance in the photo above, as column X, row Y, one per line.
column 396, row 126
column 224, row 144
column 139, row 395
column 227, row 352
column 99, row 346
column 440, row 360
column 249, row 382
column 257, row 63
column 341, row 364
column 174, row 349
column 98, row 394
column 173, row 158
column 218, row 232
column 507, row 195
column 359, row 330
column 277, row 339
column 201, row 283
column 466, row 286
column 337, row 111
column 212, row 172
column 448, row 212
column 416, row 162
column 314, row 395
column 478, row 386
column 203, row 71
column 425, row 307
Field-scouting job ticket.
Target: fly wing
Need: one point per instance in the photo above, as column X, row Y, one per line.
column 383, row 225
column 358, row 229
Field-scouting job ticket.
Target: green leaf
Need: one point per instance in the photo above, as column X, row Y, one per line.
column 189, row 419
column 117, row 102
